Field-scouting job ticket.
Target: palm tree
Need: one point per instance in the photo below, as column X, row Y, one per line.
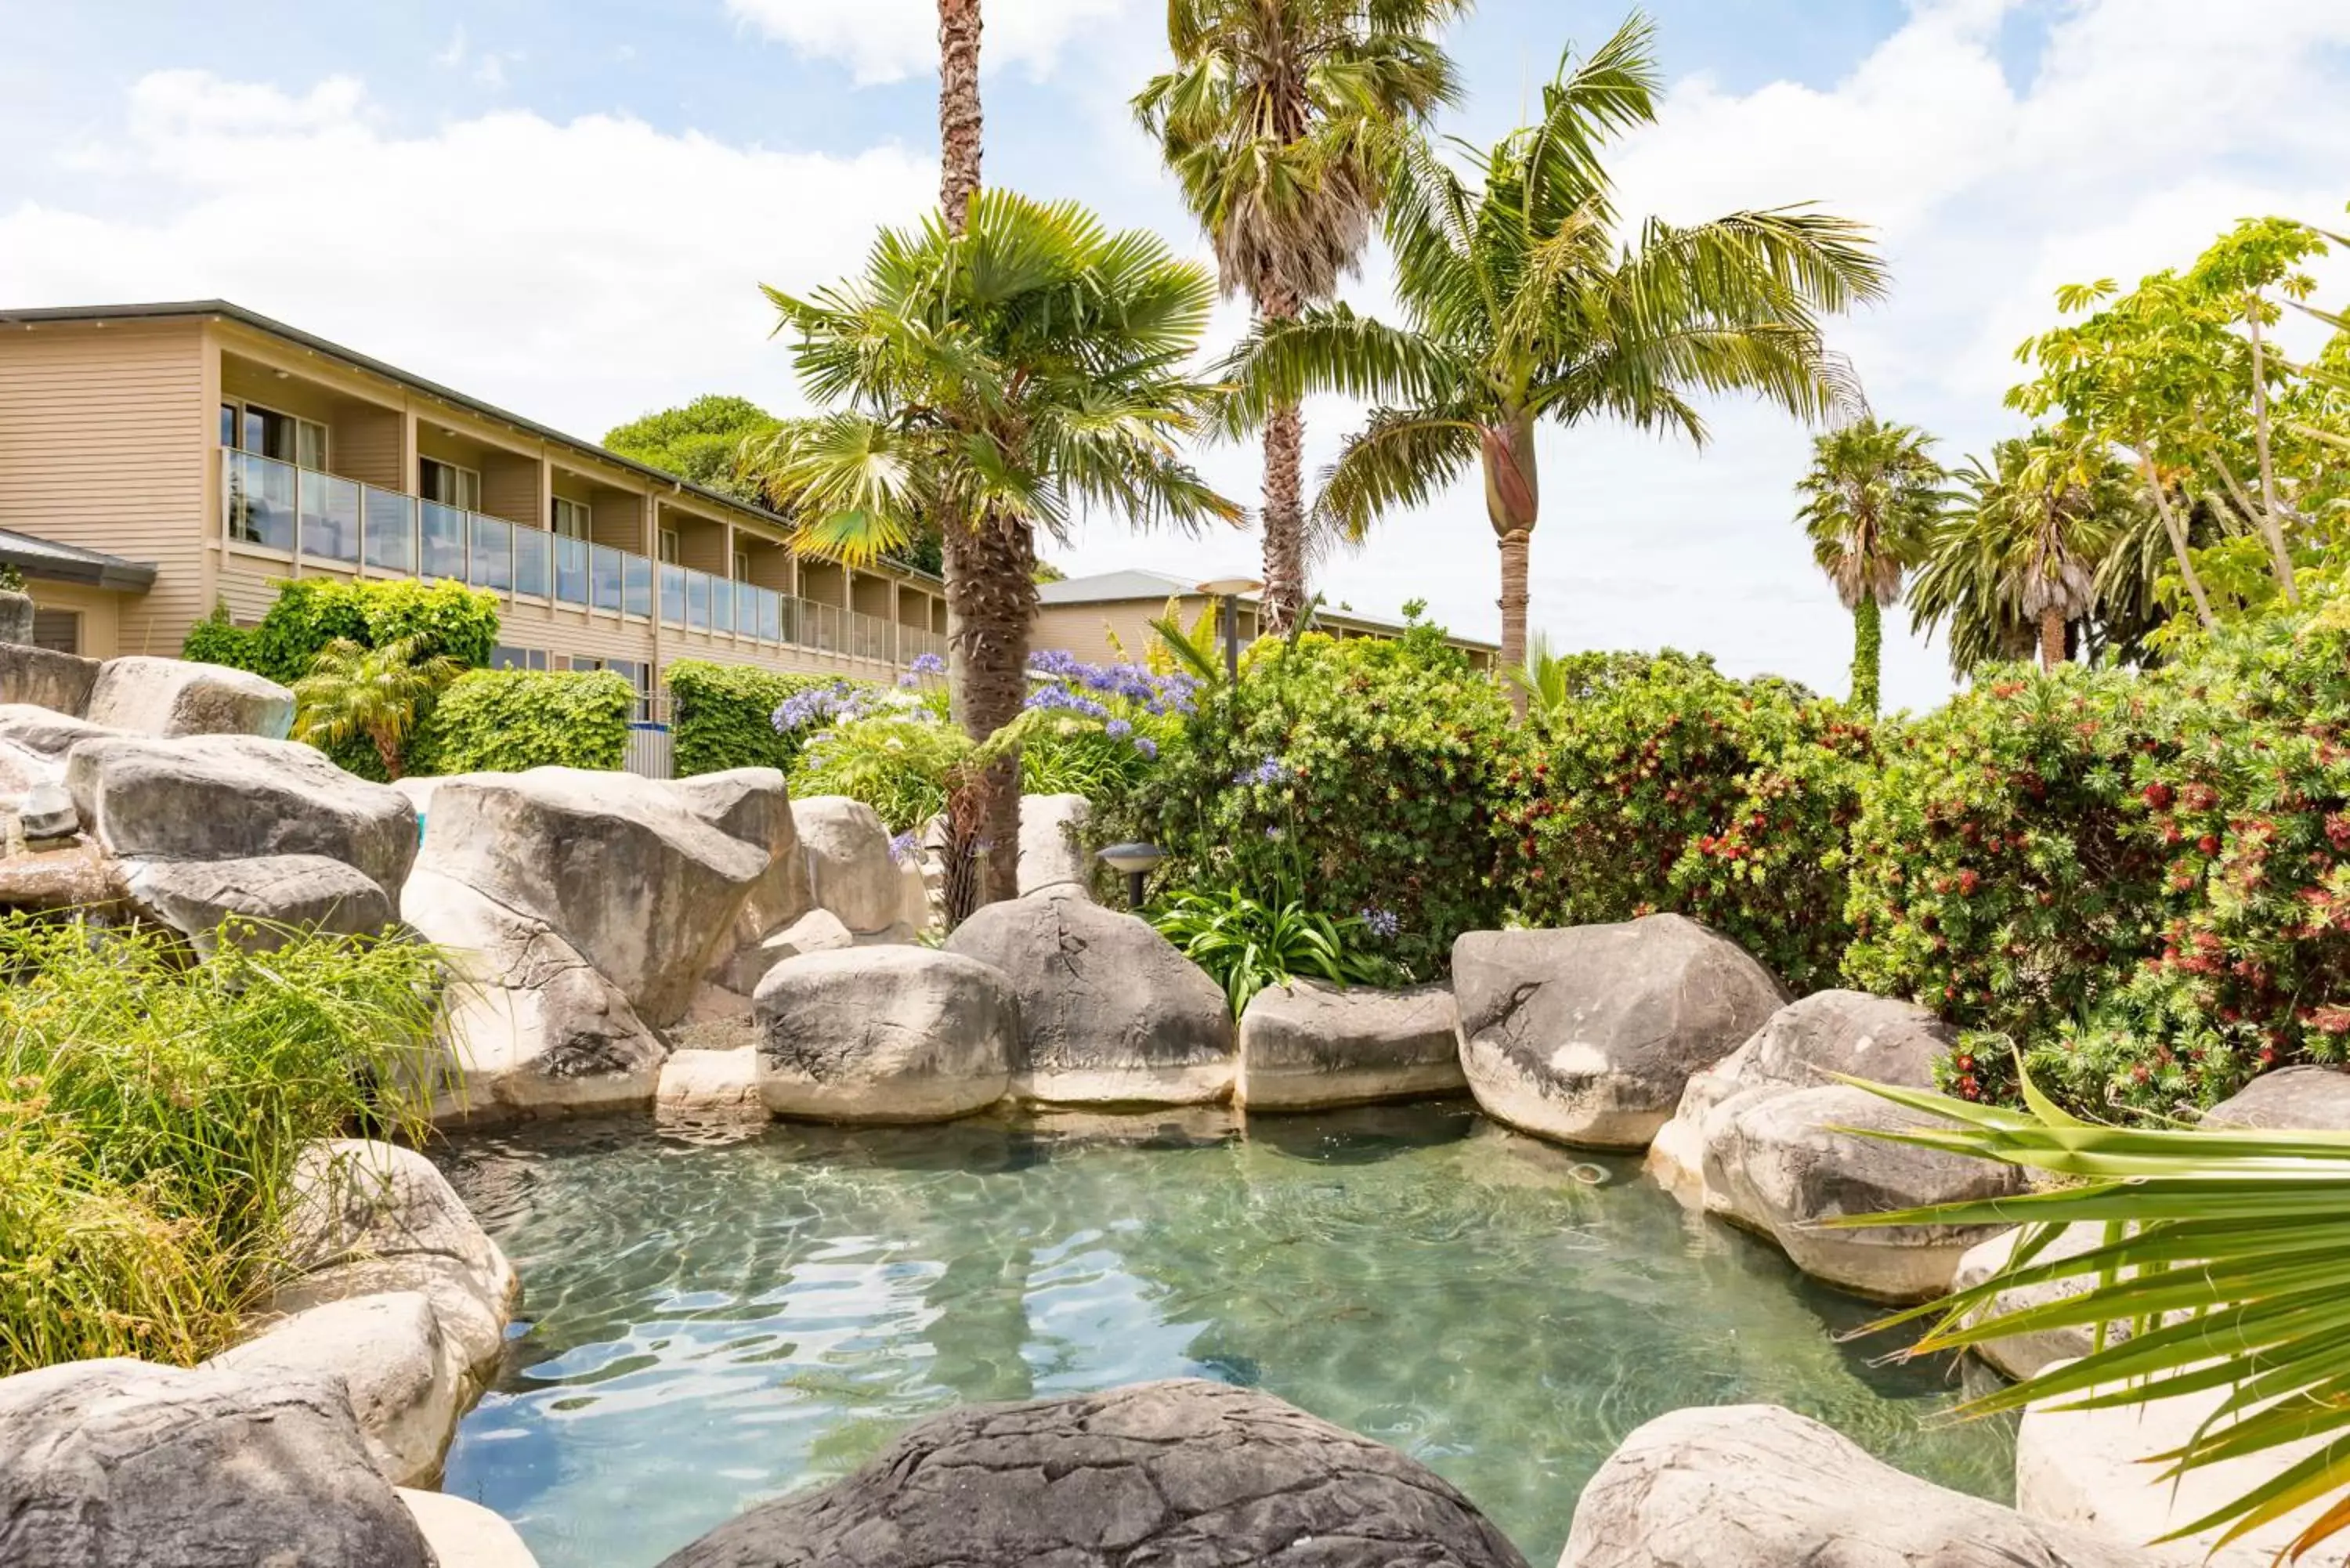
column 1272, row 120
column 1521, row 307
column 375, row 692
column 959, row 121
column 995, row 381
column 1869, row 500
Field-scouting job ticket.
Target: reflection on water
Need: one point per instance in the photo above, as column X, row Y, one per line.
column 707, row 1328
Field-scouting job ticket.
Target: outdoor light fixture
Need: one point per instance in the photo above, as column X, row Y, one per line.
column 1137, row 861
column 1229, row 590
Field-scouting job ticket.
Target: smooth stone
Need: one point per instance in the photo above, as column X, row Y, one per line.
column 850, row 870
column 48, row 812
column 1110, row 1011
column 752, row 805
column 1587, row 1036
column 369, row 1218
column 270, row 895
column 1174, row 1473
column 42, row 678
column 18, row 613
column 1308, row 1046
column 1755, row 1486
column 818, row 932
column 711, row 1088
column 884, row 1035
column 1790, row 1169
column 122, row 1464
column 2307, row 1098
column 465, row 1534
column 34, row 744
column 237, row 797
column 2022, row 1355
column 1053, row 842
column 406, row 1380
column 172, row 697
column 68, row 877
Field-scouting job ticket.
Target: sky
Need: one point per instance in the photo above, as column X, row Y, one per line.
column 566, row 207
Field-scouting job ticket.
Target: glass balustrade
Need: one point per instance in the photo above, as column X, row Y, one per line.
column 637, row 585
column 442, row 530
column 387, row 530
column 492, row 554
column 260, row 497
column 604, row 568
column 330, row 516
column 721, row 605
column 530, row 553
column 673, row 593
column 697, row 601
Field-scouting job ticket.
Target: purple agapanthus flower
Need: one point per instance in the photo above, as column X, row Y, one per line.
column 901, row 846
column 1380, row 922
column 1117, row 729
column 1267, row 772
column 927, row 664
column 1148, row 747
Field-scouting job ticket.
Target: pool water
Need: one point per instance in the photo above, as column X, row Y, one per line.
column 705, row 1327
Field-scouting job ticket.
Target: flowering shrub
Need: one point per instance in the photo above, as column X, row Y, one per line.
column 1657, row 783
column 1356, row 775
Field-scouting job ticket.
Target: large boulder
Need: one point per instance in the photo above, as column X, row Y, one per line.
column 266, row 895
column 2023, row 1355
column 2088, row 1469
column 465, row 1534
column 1587, row 1036
column 642, row 886
column 1182, row 1472
column 237, row 797
column 710, row 1090
column 173, row 696
column 369, row 1218
column 850, row 869
column 1304, row 1046
column 1808, row 1042
column 34, row 743
column 1110, row 1013
column 530, row 1027
column 2291, row 1099
column 41, row 678
column 818, row 932
column 406, row 1379
column 884, row 1035
column 1053, row 842
column 1754, row 1486
column 121, row 1464
column 1788, row 1165
column 752, row 805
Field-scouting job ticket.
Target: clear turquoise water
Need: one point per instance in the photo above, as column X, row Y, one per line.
column 705, row 1327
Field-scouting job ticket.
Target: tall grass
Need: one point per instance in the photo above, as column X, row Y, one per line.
column 150, row 1112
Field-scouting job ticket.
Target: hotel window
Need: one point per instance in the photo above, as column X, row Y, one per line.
column 742, row 565
column 449, row 484
column 669, row 546
column 266, row 433
column 570, row 519
column 520, row 659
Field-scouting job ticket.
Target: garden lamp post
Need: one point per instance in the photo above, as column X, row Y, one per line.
column 1137, row 861
column 1229, row 591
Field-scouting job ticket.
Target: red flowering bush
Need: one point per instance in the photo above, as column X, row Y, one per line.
column 1660, row 783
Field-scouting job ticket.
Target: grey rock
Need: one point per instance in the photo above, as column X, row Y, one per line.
column 2021, row 1355
column 1110, row 1013
column 406, row 1380
column 234, row 798
column 172, row 697
column 618, row 866
column 369, row 1218
column 33, row 742
column 1587, row 1036
column 1053, row 842
column 818, row 932
column 1788, row 1168
column 1754, row 1486
column 39, row 677
column 716, row 1089
column 267, row 895
column 48, row 812
column 120, row 1464
column 884, row 1035
column 1307, row 1046
column 850, row 870
column 753, row 805
column 1161, row 1475
column 2291, row 1099
column 16, row 610
column 465, row 1534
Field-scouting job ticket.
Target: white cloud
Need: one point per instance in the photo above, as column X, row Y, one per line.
column 578, row 273
column 888, row 40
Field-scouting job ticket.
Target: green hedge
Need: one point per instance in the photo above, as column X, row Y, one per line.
column 722, row 716
column 503, row 720
column 446, row 618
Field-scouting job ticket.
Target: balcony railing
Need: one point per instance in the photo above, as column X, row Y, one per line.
column 275, row 505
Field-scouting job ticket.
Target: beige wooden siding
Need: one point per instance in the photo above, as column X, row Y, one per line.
column 1086, row 631
column 511, row 486
column 100, row 610
column 618, row 518
column 370, row 444
column 104, row 443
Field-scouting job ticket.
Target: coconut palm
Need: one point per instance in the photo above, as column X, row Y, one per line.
column 1521, row 305
column 997, row 381
column 353, row 691
column 1869, row 503
column 1272, row 120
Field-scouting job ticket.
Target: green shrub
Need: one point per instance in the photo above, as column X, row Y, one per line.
column 218, row 640
column 1657, row 783
column 503, row 720
column 150, row 1113
column 445, row 619
column 1367, row 773
column 1246, row 944
column 722, row 716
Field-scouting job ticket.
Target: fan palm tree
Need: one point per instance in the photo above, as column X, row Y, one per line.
column 1521, row 306
column 959, row 121
column 1869, row 501
column 353, row 691
column 995, row 381
column 1272, row 120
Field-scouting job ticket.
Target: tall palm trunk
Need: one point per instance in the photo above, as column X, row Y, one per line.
column 959, row 124
column 1512, row 504
column 2052, row 638
column 991, row 566
column 1867, row 651
column 1284, row 596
